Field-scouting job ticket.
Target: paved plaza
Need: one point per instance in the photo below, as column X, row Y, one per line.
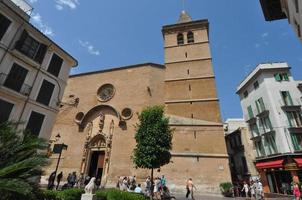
column 224, row 198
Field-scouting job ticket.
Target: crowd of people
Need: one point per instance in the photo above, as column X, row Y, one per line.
column 159, row 187
column 254, row 190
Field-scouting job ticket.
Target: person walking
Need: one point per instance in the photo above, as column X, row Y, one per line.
column 190, row 186
column 252, row 189
column 59, row 178
column 245, row 189
column 73, row 179
column 148, row 186
column 259, row 190
column 51, row 180
column 163, row 181
column 296, row 191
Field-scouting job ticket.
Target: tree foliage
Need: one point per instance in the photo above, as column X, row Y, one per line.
column 154, row 139
column 21, row 161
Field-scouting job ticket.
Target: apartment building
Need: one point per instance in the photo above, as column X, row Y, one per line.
column 271, row 104
column 240, row 149
column 33, row 71
column 281, row 9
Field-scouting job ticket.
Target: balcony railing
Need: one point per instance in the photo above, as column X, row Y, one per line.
column 24, row 90
column 291, row 106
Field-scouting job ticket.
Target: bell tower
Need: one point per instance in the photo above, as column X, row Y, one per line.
column 190, row 89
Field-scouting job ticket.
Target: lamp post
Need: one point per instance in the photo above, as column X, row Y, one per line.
column 58, row 148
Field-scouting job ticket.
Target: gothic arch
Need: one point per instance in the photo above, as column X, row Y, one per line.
column 95, row 112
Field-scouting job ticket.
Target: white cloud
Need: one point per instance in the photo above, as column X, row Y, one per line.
column 44, row 28
column 72, row 4
column 89, row 47
column 33, row 1
column 264, row 34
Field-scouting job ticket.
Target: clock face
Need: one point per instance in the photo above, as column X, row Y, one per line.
column 106, row 92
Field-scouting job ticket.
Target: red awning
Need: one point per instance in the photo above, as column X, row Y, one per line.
column 298, row 161
column 270, row 164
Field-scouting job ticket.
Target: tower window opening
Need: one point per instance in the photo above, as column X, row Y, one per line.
column 190, row 37
column 189, row 87
column 188, row 71
column 186, row 54
column 192, row 116
column 180, row 39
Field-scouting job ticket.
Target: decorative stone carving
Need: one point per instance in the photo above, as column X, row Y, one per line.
column 101, row 122
column 126, row 113
column 105, row 92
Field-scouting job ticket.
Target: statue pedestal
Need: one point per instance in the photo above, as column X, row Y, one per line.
column 88, row 197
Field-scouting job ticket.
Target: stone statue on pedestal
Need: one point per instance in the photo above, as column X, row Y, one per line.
column 90, row 189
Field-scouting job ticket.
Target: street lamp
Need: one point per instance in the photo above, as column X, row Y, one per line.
column 58, row 148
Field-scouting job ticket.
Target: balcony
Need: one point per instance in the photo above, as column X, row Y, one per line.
column 297, row 129
column 23, row 89
column 263, row 113
column 291, row 106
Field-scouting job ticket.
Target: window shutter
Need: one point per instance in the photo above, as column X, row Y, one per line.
column 45, row 92
column 35, row 123
column 290, row 98
column 278, row 77
column 41, row 53
column 285, row 77
column 20, row 42
column 55, row 65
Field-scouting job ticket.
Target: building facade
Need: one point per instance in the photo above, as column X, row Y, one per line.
column 281, row 9
column 241, row 151
column 33, row 71
column 100, row 131
column 271, row 104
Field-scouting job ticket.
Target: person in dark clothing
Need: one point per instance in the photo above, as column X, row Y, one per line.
column 73, row 179
column 51, row 180
column 59, row 178
column 69, row 179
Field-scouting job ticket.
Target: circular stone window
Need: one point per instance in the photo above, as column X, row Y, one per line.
column 79, row 116
column 126, row 113
column 105, row 92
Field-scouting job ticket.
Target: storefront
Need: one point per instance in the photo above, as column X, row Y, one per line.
column 278, row 174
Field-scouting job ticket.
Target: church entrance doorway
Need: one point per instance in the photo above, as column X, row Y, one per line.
column 96, row 165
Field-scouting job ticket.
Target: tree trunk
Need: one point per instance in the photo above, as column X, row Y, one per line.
column 152, row 184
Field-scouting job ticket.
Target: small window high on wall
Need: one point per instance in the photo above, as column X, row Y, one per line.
column 190, row 37
column 180, row 39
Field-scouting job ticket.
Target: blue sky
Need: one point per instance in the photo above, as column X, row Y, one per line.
column 104, row 34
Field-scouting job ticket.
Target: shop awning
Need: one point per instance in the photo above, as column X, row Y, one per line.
column 270, row 164
column 298, row 161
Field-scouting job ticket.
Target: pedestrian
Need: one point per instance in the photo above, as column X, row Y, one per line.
column 156, row 189
column 69, row 180
column 148, row 186
column 245, row 189
column 259, row 190
column 125, row 184
column 51, row 180
column 166, row 195
column 59, row 178
column 190, row 186
column 163, row 181
column 296, row 192
column 73, row 179
column 252, row 189
column 138, row 189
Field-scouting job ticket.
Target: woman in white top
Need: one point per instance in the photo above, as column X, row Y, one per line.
column 245, row 189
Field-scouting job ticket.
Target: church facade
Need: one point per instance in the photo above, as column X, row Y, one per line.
column 100, row 129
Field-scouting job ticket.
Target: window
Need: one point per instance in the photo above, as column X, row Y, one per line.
column 5, row 110
column 254, row 130
column 180, row 39
column 281, row 76
column 297, row 141
column 256, row 85
column 31, row 47
column 259, row 148
column 45, row 92
column 270, row 144
column 4, row 24
column 266, row 124
column 287, row 100
column 250, row 112
column 16, row 77
column 298, row 28
column 245, row 93
column 190, row 37
column 55, row 65
column 294, row 118
column 297, row 5
column 35, row 123
column 260, row 105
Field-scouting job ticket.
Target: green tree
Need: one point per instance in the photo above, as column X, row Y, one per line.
column 153, row 139
column 22, row 156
